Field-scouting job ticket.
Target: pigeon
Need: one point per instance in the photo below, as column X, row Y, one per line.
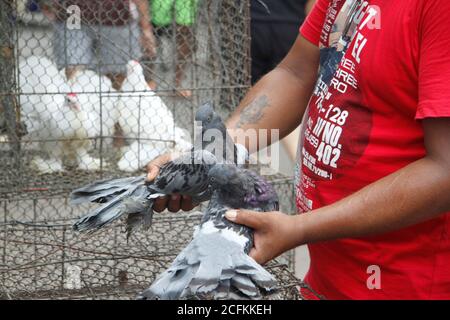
column 215, row 264
column 185, row 175
column 145, row 119
column 52, row 115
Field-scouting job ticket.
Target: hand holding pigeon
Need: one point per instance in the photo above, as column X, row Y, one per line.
column 267, row 229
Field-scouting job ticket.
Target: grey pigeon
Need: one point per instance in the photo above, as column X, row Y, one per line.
column 186, row 175
column 215, row 264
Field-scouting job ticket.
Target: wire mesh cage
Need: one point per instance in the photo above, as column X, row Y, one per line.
column 43, row 260
column 40, row 253
column 92, row 90
column 75, row 96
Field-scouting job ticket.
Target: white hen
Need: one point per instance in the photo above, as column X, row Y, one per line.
column 143, row 116
column 52, row 117
column 98, row 100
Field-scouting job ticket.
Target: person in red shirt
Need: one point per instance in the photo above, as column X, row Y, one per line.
column 370, row 81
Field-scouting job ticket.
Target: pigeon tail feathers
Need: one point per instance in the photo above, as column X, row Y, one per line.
column 214, row 265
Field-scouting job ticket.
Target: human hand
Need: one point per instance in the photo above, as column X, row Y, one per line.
column 274, row 232
column 174, row 202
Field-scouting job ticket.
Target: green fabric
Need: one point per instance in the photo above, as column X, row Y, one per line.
column 163, row 11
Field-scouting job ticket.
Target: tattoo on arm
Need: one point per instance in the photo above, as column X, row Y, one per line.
column 253, row 112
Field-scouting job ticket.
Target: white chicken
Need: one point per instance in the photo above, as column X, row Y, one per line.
column 98, row 99
column 146, row 120
column 52, row 117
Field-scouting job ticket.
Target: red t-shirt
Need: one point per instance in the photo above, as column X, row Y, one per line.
column 384, row 66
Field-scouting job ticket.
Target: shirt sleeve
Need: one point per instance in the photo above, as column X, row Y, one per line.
column 311, row 29
column 434, row 60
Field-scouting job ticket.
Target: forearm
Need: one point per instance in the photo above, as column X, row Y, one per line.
column 416, row 193
column 277, row 101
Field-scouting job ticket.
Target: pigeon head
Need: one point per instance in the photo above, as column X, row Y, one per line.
column 208, row 118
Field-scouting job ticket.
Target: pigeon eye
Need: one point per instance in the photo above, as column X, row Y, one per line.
column 209, row 119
